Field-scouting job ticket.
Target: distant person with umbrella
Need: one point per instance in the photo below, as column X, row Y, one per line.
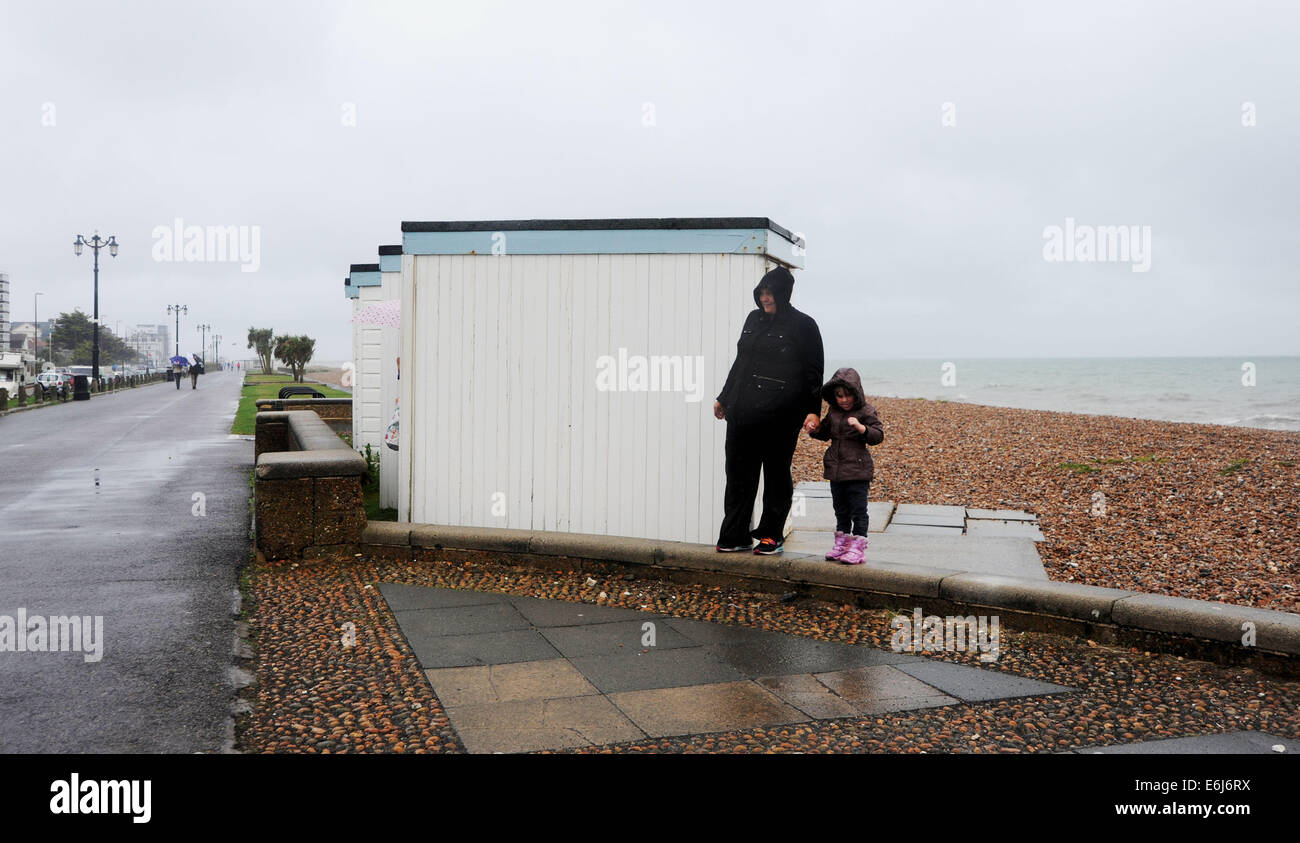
column 178, row 368
column 195, row 370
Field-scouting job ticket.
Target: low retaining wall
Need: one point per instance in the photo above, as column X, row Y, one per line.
column 307, row 488
column 1193, row 628
column 335, row 412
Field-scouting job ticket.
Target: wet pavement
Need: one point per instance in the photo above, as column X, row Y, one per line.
column 133, row 507
column 520, row 674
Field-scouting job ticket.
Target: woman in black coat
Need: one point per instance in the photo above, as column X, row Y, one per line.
column 772, row 390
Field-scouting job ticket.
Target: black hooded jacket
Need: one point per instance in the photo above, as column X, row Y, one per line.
column 779, row 360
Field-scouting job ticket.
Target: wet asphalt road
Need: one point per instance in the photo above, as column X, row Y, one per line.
column 97, row 517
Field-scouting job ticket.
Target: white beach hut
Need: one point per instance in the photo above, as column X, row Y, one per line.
column 560, row 374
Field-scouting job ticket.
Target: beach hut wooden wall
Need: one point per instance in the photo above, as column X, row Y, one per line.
column 560, row 374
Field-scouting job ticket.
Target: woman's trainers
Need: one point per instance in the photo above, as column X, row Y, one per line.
column 736, row 549
column 841, row 545
column 854, row 554
column 769, row 547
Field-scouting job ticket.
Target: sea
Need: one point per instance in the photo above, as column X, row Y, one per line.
column 1261, row 392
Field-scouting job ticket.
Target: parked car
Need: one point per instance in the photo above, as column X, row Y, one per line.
column 58, row 381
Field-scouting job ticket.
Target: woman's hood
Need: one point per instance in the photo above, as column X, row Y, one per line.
column 847, row 378
column 781, row 282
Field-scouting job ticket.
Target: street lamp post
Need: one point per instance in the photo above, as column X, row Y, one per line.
column 178, row 309
column 203, row 337
column 216, row 349
column 36, row 329
column 96, row 243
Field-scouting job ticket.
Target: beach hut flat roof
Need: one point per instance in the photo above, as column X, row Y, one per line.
column 673, row 235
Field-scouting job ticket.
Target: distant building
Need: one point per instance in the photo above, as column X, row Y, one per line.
column 22, row 337
column 152, row 343
column 4, row 312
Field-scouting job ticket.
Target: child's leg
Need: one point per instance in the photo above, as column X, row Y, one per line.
column 840, row 501
column 858, row 496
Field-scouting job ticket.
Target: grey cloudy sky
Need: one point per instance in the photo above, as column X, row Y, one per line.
column 924, row 239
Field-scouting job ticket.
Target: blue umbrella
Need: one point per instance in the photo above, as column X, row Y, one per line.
column 180, row 361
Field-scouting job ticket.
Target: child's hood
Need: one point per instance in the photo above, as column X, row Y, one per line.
column 847, row 378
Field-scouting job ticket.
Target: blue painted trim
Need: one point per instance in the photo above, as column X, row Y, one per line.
column 390, row 263
column 588, row 242
column 366, row 279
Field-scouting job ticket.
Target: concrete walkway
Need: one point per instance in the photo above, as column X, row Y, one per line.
column 518, row 674
column 954, row 538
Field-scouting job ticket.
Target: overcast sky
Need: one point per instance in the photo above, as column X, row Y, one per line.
column 921, row 149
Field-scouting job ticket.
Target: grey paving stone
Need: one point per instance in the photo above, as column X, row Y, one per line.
column 460, row 620
column 531, row 725
column 906, row 509
column 637, row 671
column 882, row 688
column 819, row 514
column 974, row 684
column 1001, row 514
column 1026, row 529
column 899, row 528
column 927, row 519
column 810, row 542
column 609, row 639
column 403, row 597
column 813, row 489
column 518, row 645
column 543, row 680
column 792, row 654
column 698, row 709
column 1232, row 743
column 1009, row 557
column 805, row 693
column 543, row 613
column 704, row 632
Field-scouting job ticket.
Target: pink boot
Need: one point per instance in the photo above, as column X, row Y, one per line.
column 853, row 554
column 841, row 545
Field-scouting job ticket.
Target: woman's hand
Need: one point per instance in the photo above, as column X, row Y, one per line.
column 811, row 423
column 719, row 412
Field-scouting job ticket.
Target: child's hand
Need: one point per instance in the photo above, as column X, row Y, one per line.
column 857, row 425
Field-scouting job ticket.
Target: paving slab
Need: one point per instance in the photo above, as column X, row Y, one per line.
column 908, row 509
column 900, row 529
column 704, row 632
column 929, row 519
column 610, row 639
column 518, row 645
column 804, row 692
column 818, row 513
column 706, row 708
column 539, row 680
column 640, row 671
column 460, row 620
column 974, row 684
column 531, row 725
column 1001, row 514
column 799, row 655
column 1010, row 557
column 546, row 613
column 882, row 688
column 1023, row 529
column 1232, row 743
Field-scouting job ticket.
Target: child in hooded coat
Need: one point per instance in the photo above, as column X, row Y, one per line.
column 850, row 425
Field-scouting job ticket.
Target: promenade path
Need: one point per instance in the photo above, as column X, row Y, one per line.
column 132, row 506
